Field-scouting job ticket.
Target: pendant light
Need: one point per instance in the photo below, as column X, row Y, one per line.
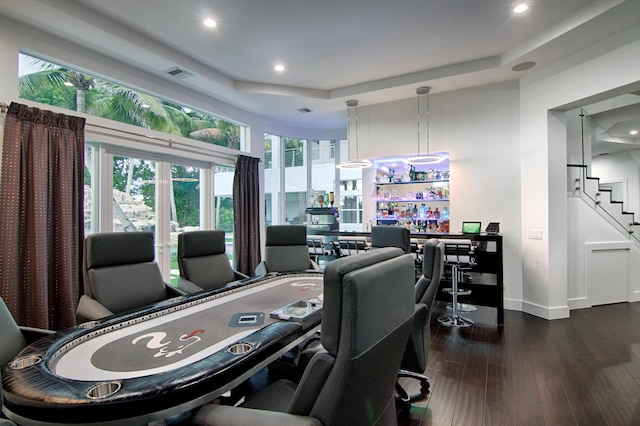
column 426, row 158
column 357, row 163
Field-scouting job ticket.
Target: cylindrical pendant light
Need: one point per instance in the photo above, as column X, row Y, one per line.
column 357, row 163
column 426, row 158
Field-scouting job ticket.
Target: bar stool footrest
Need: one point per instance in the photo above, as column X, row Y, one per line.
column 461, row 291
column 463, row 307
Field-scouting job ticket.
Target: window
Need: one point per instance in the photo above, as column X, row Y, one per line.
column 134, row 194
column 91, row 186
column 295, row 180
column 290, row 190
column 315, row 151
column 223, row 205
column 350, row 195
column 53, row 84
column 272, row 179
column 184, row 209
column 294, row 152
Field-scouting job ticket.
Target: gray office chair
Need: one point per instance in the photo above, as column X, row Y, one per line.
column 14, row 338
column 414, row 361
column 286, row 250
column 367, row 316
column 390, row 236
column 203, row 262
column 120, row 274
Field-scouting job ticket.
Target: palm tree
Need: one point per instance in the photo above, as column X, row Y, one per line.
column 53, row 85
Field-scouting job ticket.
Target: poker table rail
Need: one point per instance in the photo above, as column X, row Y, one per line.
column 34, row 394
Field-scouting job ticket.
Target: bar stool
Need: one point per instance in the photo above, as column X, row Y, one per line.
column 352, row 245
column 458, row 257
column 466, row 258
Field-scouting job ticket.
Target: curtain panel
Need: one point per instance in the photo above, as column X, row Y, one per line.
column 246, row 214
column 41, row 216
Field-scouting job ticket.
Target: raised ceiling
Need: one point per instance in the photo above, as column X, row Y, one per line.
column 370, row 50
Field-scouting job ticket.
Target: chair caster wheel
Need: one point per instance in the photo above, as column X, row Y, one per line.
column 425, row 386
column 403, row 408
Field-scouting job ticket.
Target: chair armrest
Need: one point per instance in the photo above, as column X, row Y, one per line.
column 183, row 287
column 219, row 415
column 240, row 276
column 31, row 334
column 420, row 314
column 261, row 269
column 90, row 309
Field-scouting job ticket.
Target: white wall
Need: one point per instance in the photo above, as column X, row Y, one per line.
column 622, row 166
column 587, row 226
column 543, row 162
column 480, row 129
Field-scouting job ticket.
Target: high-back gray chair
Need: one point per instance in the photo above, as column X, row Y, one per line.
column 367, row 315
column 390, row 236
column 120, row 274
column 286, row 250
column 203, row 261
column 414, row 361
column 14, row 338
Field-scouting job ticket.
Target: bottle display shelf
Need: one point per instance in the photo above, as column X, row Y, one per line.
column 411, row 201
column 412, row 182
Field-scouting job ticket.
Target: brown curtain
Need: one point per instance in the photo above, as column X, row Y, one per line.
column 41, row 216
column 246, row 214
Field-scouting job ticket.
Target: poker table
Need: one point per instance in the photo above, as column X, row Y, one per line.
column 164, row 359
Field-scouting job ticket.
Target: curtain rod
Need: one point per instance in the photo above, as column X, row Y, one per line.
column 171, row 142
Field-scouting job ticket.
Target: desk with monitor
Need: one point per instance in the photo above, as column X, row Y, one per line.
column 163, row 360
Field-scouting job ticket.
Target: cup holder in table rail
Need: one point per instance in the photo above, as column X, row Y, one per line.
column 103, row 390
column 240, row 348
column 88, row 324
column 25, row 361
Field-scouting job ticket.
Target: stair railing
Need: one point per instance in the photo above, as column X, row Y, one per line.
column 596, row 145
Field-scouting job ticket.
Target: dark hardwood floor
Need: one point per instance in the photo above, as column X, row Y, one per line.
column 584, row 370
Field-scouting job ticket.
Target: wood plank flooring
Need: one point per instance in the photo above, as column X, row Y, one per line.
column 584, row 370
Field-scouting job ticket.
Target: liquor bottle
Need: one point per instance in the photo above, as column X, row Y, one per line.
column 436, row 214
column 445, row 213
column 423, row 211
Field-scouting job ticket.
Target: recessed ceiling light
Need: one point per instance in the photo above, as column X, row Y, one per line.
column 279, row 67
column 521, row 8
column 210, row 23
column 68, row 83
column 633, row 132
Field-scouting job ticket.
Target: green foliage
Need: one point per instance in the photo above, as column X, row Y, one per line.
column 109, row 100
column 143, row 178
column 226, row 215
column 186, row 192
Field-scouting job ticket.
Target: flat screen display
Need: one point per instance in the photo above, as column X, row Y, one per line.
column 471, row 227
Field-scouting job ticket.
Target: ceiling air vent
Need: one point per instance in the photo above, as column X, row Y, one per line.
column 304, row 110
column 178, row 72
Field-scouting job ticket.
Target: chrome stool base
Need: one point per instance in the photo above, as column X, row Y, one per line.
column 455, row 321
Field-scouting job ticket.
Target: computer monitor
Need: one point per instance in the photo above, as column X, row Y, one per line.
column 471, row 227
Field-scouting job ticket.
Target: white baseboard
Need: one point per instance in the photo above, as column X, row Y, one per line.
column 580, row 303
column 549, row 313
